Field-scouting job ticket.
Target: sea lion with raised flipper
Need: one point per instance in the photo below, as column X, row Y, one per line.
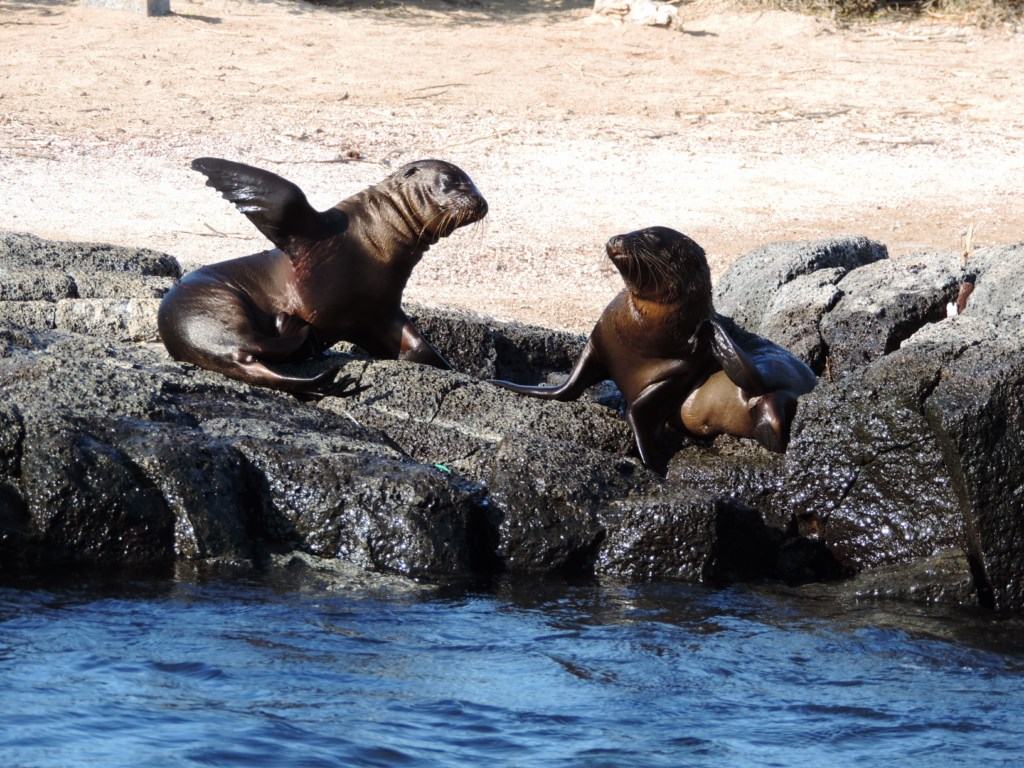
column 672, row 360
column 335, row 275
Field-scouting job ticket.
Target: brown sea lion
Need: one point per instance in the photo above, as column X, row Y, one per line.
column 754, row 395
column 646, row 340
column 672, row 360
column 336, row 275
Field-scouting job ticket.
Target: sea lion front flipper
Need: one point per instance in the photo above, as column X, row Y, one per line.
column 277, row 207
column 587, row 372
column 737, row 364
column 415, row 347
column 647, row 416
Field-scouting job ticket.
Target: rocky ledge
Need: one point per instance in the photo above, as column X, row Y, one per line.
column 904, row 476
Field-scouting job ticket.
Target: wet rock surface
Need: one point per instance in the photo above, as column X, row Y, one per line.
column 903, row 476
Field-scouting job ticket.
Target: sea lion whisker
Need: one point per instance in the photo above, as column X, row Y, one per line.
column 451, row 221
column 426, row 224
column 477, row 230
column 661, row 270
column 432, row 227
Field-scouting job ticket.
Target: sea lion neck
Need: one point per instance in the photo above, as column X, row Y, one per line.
column 679, row 319
column 389, row 223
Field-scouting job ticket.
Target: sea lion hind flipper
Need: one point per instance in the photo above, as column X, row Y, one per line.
column 277, row 207
column 773, row 414
column 587, row 372
column 322, row 385
column 737, row 364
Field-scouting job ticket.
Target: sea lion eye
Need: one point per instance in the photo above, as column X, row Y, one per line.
column 410, row 172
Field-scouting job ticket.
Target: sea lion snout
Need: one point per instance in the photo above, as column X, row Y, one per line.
column 649, row 243
column 472, row 203
column 448, row 186
column 481, row 208
column 462, row 195
column 615, row 245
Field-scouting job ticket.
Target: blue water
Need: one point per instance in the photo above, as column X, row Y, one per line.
column 249, row 671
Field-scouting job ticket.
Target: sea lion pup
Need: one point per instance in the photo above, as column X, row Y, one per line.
column 647, row 339
column 754, row 395
column 336, row 275
column 672, row 360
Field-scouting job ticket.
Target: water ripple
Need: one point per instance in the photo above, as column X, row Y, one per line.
column 245, row 673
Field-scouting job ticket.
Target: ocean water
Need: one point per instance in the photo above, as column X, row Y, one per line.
column 268, row 671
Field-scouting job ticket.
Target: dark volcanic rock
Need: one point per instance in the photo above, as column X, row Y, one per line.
column 920, row 452
column 36, row 285
column 782, row 290
column 884, row 304
column 85, row 501
column 20, row 251
column 864, row 471
column 90, row 288
column 998, row 295
column 377, row 511
column 550, row 495
column 793, row 317
column 489, row 349
column 904, row 466
column 689, row 536
column 439, row 417
column 977, row 413
column 135, row 459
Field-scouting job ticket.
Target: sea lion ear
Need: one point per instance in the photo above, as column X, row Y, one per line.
column 276, row 206
column 410, row 172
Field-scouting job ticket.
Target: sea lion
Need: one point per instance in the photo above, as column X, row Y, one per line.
column 336, row 275
column 674, row 363
column 754, row 395
column 647, row 339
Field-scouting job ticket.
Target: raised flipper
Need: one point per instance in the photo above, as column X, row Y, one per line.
column 771, row 377
column 737, row 364
column 587, row 372
column 277, row 207
column 757, row 365
column 773, row 414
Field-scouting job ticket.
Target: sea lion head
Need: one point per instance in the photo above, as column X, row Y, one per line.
column 440, row 197
column 662, row 265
